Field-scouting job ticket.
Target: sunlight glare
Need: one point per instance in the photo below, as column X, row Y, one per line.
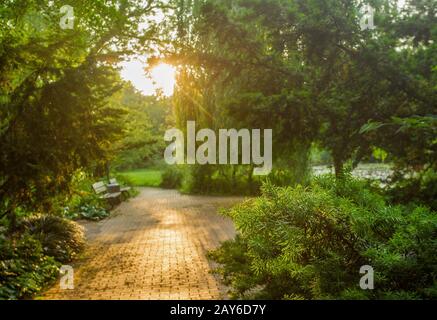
column 161, row 77
column 164, row 77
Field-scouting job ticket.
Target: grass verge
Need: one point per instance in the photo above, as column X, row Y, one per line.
column 143, row 177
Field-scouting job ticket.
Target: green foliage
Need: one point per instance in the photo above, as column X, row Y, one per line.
column 379, row 154
column 24, row 267
column 310, row 242
column 232, row 179
column 234, row 260
column 60, row 238
column 311, row 74
column 54, row 89
column 220, row 180
column 142, row 143
column 320, row 156
column 172, row 178
column 86, row 211
column 30, row 258
column 83, row 202
column 420, row 188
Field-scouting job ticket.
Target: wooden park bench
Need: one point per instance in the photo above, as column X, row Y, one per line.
column 101, row 190
column 123, row 190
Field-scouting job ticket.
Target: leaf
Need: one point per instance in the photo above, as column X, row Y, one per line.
column 371, row 126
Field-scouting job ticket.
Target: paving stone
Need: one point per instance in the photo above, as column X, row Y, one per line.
column 152, row 247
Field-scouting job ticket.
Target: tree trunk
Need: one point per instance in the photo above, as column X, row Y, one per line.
column 338, row 167
column 12, row 220
column 108, row 170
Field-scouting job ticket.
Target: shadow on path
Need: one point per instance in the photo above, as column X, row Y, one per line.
column 152, row 247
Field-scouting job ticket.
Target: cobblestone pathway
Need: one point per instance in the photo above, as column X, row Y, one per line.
column 152, row 247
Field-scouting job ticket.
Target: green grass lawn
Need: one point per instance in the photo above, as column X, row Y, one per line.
column 143, row 177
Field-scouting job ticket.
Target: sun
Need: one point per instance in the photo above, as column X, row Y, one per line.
column 161, row 77
column 164, row 77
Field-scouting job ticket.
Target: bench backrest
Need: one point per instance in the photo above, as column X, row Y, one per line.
column 99, row 187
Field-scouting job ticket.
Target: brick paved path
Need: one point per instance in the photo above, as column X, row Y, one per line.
column 152, row 247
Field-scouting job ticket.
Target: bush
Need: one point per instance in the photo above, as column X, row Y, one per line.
column 60, row 238
column 31, row 257
column 220, row 180
column 24, row 267
column 83, row 202
column 309, row 243
column 420, row 189
column 172, row 178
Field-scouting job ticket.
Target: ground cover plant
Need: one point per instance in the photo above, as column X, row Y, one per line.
column 310, row 242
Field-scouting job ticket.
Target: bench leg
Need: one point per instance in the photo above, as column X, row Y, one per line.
column 114, row 201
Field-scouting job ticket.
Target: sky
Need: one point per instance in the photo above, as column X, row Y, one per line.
column 161, row 77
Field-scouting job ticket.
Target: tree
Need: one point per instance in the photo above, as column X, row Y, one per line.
column 53, row 88
column 143, row 128
column 310, row 73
